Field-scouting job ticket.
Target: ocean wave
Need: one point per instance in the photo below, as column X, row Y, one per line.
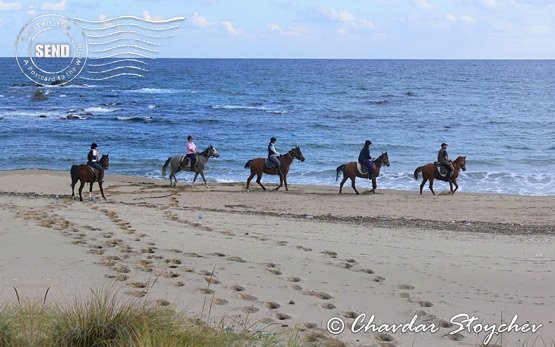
column 155, row 91
column 99, row 109
column 238, row 107
column 135, row 119
column 151, row 107
column 74, row 117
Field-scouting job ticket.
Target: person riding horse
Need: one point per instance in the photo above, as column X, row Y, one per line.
column 92, row 161
column 273, row 155
column 365, row 159
column 191, row 151
column 443, row 159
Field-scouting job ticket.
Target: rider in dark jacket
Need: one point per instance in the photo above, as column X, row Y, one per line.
column 365, row 159
column 92, row 161
column 273, row 155
column 443, row 159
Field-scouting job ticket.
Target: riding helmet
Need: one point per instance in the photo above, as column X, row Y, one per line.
column 367, row 143
column 93, row 146
column 444, row 145
column 273, row 139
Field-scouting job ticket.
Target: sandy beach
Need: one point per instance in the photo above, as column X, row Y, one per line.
column 282, row 260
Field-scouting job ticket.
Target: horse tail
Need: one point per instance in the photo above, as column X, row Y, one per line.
column 248, row 164
column 165, row 165
column 417, row 171
column 73, row 173
column 339, row 168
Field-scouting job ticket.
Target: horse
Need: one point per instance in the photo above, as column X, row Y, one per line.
column 350, row 170
column 429, row 172
column 181, row 162
column 258, row 167
column 87, row 174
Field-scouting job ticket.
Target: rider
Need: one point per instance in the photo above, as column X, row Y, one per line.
column 92, row 161
column 365, row 159
column 273, row 155
column 191, row 152
column 443, row 159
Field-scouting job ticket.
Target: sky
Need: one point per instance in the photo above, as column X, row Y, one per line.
column 358, row 29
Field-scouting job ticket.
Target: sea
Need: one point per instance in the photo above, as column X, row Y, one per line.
column 500, row 114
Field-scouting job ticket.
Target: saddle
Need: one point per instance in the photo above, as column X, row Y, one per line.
column 362, row 169
column 268, row 164
column 441, row 170
column 185, row 164
column 94, row 172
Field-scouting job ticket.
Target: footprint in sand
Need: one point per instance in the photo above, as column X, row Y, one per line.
column 330, row 254
column 367, row 271
column 250, row 309
column 138, row 285
column 282, row 316
column 405, row 287
column 237, row 288
column 276, row 272
column 350, row 314
column 293, row 279
column 378, row 279
column 385, row 340
column 179, row 284
column 248, row 297
column 328, row 306
column 220, row 301
column 404, row 295
column 162, row 302
column 296, row 287
column 121, row 277
column 318, row 294
column 271, row 305
column 136, row 293
column 236, row 259
column 206, row 291
column 425, row 304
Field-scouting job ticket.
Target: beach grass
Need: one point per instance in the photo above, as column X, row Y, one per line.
column 105, row 319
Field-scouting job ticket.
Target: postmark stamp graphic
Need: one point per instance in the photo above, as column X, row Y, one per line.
column 51, row 49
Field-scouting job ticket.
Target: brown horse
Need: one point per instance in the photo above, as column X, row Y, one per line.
column 87, row 174
column 350, row 170
column 258, row 167
column 429, row 172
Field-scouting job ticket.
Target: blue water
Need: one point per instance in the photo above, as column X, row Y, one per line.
column 500, row 114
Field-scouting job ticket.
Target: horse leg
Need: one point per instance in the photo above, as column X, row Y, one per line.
column 280, row 182
column 81, row 190
column 374, row 185
column 194, row 179
column 456, row 186
column 101, row 190
column 285, row 181
column 258, row 178
column 203, row 179
column 353, row 185
column 73, row 188
column 250, row 179
column 451, row 187
column 345, row 178
column 432, row 186
column 424, row 180
column 90, row 191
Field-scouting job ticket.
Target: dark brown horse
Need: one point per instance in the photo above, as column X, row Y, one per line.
column 350, row 170
column 258, row 168
column 87, row 174
column 429, row 173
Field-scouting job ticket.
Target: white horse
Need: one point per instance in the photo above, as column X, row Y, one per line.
column 182, row 163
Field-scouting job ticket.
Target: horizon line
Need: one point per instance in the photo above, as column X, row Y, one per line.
column 323, row 58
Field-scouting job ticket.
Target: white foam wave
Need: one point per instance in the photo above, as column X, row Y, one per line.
column 99, row 109
column 239, row 107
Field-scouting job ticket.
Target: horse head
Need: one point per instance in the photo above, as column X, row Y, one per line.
column 461, row 161
column 385, row 158
column 105, row 161
column 212, row 152
column 296, row 153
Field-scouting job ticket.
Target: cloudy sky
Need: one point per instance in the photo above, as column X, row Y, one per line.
column 405, row 29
